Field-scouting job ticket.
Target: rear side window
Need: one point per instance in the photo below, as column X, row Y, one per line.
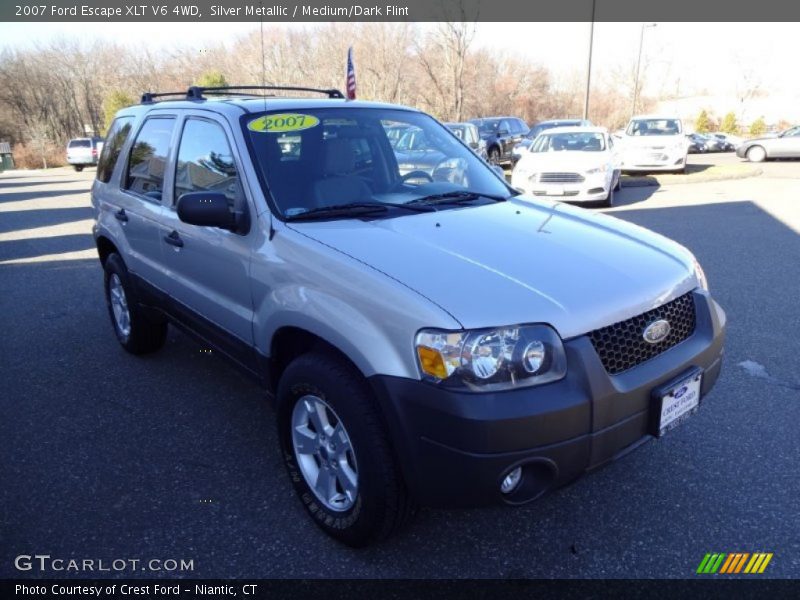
column 148, row 158
column 117, row 135
column 80, row 144
column 205, row 162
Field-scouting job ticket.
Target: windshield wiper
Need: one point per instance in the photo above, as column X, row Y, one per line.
column 454, row 197
column 352, row 209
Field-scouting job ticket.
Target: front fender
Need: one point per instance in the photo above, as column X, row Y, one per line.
column 370, row 317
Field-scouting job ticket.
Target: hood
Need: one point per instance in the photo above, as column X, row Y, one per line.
column 520, row 261
column 761, row 138
column 571, row 161
column 652, row 141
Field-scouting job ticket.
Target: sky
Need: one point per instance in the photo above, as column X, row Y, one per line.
column 685, row 58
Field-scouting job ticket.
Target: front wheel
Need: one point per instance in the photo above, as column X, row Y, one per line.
column 337, row 453
column 609, row 201
column 494, row 156
column 756, row 154
column 78, row 168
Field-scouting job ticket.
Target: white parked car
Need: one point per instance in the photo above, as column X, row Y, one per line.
column 577, row 164
column 654, row 144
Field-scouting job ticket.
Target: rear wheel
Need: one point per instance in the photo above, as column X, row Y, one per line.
column 756, row 154
column 336, row 451
column 137, row 332
column 78, row 168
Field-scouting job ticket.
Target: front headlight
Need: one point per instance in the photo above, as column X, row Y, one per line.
column 600, row 169
column 491, row 359
column 526, row 174
column 700, row 275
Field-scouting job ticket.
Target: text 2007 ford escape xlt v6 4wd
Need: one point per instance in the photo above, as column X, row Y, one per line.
column 431, row 338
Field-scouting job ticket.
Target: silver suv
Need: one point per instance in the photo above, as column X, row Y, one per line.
column 84, row 152
column 429, row 338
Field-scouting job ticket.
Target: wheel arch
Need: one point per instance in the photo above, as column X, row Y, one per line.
column 105, row 247
column 290, row 342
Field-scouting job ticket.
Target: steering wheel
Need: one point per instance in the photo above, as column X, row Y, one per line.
column 416, row 175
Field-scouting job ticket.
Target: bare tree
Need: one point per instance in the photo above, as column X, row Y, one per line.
column 38, row 134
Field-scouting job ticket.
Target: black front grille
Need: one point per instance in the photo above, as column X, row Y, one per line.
column 622, row 346
column 560, row 178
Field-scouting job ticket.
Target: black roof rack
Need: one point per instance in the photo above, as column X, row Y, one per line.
column 148, row 97
column 196, row 92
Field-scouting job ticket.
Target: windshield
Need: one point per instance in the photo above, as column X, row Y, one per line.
column 654, row 127
column 487, row 126
column 319, row 158
column 460, row 131
column 576, row 142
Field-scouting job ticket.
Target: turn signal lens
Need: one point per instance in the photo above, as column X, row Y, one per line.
column 431, row 362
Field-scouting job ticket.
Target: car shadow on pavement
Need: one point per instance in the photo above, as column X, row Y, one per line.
column 12, row 220
column 9, row 182
column 20, row 196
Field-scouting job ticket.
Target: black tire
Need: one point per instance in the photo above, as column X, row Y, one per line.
column 494, row 156
column 382, row 505
column 609, row 201
column 78, row 168
column 146, row 334
column 618, row 184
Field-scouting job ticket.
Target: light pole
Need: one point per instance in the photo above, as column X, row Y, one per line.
column 638, row 66
column 589, row 66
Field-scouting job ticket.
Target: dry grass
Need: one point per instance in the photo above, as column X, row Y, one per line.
column 28, row 156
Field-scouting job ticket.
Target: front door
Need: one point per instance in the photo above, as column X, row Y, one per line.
column 209, row 267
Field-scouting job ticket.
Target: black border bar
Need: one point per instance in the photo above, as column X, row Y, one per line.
column 398, row 10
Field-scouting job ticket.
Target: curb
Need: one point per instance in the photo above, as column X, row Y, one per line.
column 656, row 179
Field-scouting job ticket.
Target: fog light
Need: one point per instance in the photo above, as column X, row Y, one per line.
column 511, row 481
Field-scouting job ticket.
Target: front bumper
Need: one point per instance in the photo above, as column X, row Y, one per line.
column 654, row 160
column 81, row 160
column 592, row 189
column 456, row 447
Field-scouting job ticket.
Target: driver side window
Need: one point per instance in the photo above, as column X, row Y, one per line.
column 205, row 162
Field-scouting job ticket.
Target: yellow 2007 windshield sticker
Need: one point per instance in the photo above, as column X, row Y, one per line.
column 282, row 123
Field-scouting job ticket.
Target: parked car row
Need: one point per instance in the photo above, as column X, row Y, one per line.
column 700, row 143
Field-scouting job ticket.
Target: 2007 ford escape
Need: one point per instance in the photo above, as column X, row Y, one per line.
column 430, row 337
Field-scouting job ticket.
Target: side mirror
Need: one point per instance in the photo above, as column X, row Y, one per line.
column 206, row 209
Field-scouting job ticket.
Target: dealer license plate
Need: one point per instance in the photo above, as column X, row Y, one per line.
column 679, row 402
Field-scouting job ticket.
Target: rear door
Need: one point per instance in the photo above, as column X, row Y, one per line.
column 136, row 203
column 208, row 267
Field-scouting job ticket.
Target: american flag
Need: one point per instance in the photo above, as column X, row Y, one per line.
column 351, row 75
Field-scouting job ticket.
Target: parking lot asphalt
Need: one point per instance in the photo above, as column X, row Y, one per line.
column 174, row 456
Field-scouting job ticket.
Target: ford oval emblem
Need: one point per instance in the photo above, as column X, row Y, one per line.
column 656, row 332
column 681, row 391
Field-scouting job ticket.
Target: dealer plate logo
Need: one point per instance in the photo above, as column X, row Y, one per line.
column 656, row 332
